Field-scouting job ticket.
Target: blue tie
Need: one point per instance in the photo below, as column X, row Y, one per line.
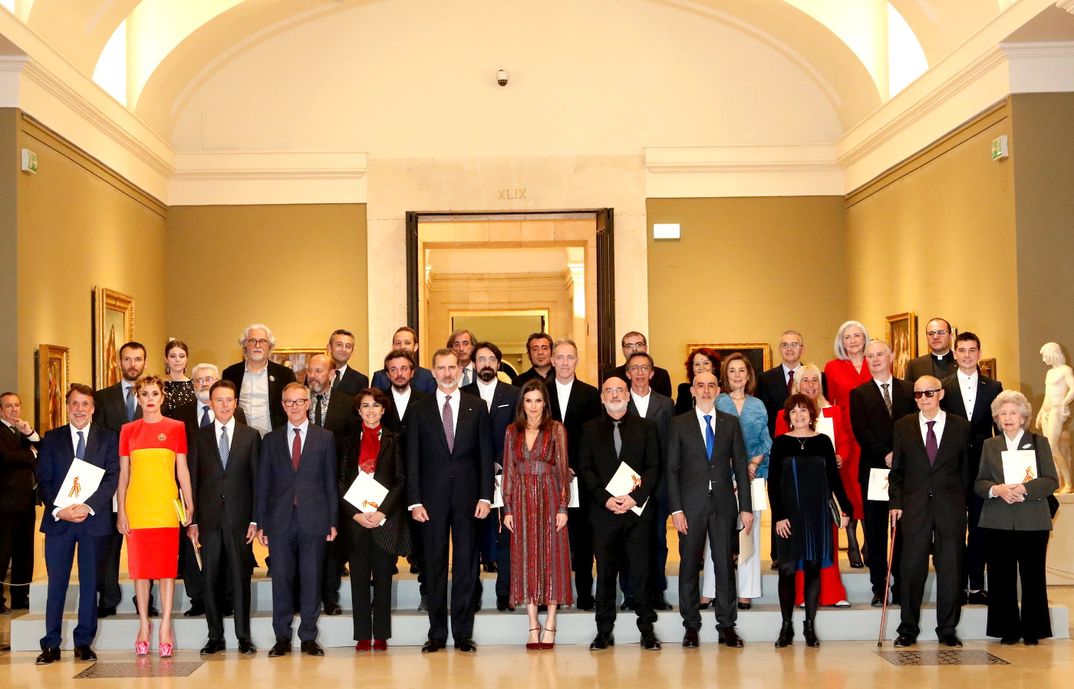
column 224, row 447
column 205, row 420
column 710, row 436
column 80, row 451
column 131, row 404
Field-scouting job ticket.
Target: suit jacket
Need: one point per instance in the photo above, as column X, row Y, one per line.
column 393, row 536
column 982, row 427
column 353, row 382
column 583, row 405
column 661, row 380
column 57, row 454
column 772, row 390
column 190, row 415
column 597, row 462
column 437, row 476
column 423, row 380
column 927, row 365
column 661, row 411
column 110, row 408
column 914, row 484
column 311, row 492
column 501, row 415
column 339, row 417
column 218, row 492
column 1031, row 515
column 689, row 471
column 873, row 428
column 399, row 424
column 17, row 464
column 279, row 377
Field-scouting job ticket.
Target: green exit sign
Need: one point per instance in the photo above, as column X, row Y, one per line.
column 999, row 147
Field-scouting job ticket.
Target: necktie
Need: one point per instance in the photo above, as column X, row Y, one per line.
column 790, row 380
column 205, row 420
column 130, row 403
column 317, row 411
column 225, row 448
column 296, row 449
column 617, row 437
column 931, row 446
column 710, row 436
column 465, row 377
column 337, row 378
column 80, row 451
column 887, row 396
column 449, row 430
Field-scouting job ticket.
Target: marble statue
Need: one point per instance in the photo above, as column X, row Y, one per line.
column 1055, row 410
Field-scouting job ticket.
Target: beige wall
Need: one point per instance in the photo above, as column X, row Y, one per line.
column 81, row 226
column 745, row 270
column 8, row 253
column 936, row 236
column 299, row 269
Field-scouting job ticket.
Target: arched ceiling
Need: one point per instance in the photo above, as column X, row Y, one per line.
column 79, row 30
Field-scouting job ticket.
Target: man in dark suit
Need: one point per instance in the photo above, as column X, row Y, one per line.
column 462, row 343
column 539, row 350
column 449, row 488
column 573, row 402
column 657, row 409
column 114, row 406
column 406, row 338
column 84, row 524
column 940, row 361
column 223, row 460
column 705, row 448
column 612, row 439
column 18, row 442
column 875, row 407
column 634, row 342
column 260, row 382
column 344, row 378
column 296, row 511
column 969, row 394
column 501, row 401
column 928, row 481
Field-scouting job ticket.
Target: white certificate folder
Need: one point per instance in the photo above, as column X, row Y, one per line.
column 366, row 493
column 878, row 484
column 82, row 480
column 1019, row 466
column 623, row 482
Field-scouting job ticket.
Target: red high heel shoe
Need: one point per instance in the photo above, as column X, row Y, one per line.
column 535, row 645
column 141, row 648
column 547, row 646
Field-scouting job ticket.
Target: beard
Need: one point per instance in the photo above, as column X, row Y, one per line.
column 616, row 407
column 487, row 374
column 203, row 396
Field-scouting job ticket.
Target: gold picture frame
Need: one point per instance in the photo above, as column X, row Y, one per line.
column 901, row 332
column 113, row 325
column 988, row 367
column 53, row 376
column 295, row 358
column 759, row 353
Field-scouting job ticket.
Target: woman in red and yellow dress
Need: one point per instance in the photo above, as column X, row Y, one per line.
column 152, row 453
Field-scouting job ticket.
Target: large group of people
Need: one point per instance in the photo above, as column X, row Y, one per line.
column 194, row 467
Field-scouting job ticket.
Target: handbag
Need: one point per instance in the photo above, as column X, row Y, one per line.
column 1053, row 502
column 833, row 511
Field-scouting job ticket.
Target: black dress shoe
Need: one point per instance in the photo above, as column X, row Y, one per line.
column 432, row 646
column 423, row 604
column 47, row 656
column 466, row 646
column 312, row 648
column 690, row 640
column 585, row 603
column 196, row 610
column 730, row 637
column 1009, row 640
column 601, row 642
column 281, row 648
column 1028, row 641
column 153, row 612
column 704, row 605
column 106, row 611
column 786, row 635
column 213, row 646
column 660, row 602
column 503, row 604
column 332, row 609
column 951, row 640
column 491, row 567
column 246, row 647
column 977, row 598
column 649, row 642
column 21, row 605
column 628, row 604
column 745, row 606
column 810, row 634
column 904, row 641
column 877, row 602
column 84, row 653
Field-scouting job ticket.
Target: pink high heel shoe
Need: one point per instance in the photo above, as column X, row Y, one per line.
column 141, row 648
column 165, row 649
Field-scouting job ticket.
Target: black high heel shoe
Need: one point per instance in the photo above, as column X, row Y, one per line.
column 786, row 635
column 810, row 634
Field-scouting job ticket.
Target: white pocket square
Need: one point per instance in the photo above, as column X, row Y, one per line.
column 1027, row 446
column 501, row 406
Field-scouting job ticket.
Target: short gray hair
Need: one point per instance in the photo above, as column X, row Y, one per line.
column 1018, row 400
column 257, row 326
column 840, row 351
column 212, row 367
column 565, row 341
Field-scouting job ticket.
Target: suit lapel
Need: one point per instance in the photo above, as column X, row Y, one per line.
column 979, row 406
column 92, row 440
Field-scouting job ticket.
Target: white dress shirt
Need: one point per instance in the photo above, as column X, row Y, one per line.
column 401, row 399
column 967, row 385
column 880, row 386
column 33, row 437
column 253, row 398
column 937, row 428
column 304, row 430
column 229, row 428
column 642, row 402
column 1012, row 445
column 453, row 402
column 702, row 425
column 787, row 373
column 487, row 390
column 563, row 393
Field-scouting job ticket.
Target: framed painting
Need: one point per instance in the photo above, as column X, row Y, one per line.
column 759, row 353
column 902, row 338
column 113, row 325
column 295, row 358
column 988, row 367
column 53, row 376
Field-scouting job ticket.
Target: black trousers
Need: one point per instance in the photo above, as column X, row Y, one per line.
column 372, row 619
column 332, row 572
column 616, row 537
column 108, row 588
column 722, row 536
column 658, row 553
column 460, row 526
column 975, row 545
column 875, row 527
column 225, row 554
column 580, row 533
column 193, row 576
column 945, row 541
column 503, row 559
column 294, row 553
column 1013, row 555
column 17, row 549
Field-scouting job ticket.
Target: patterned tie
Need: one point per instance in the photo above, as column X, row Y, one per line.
column 710, row 436
column 225, row 448
column 131, row 406
column 887, row 396
column 205, row 420
column 296, row 449
column 790, row 380
column 80, row 451
column 617, row 437
column 448, row 419
column 931, row 446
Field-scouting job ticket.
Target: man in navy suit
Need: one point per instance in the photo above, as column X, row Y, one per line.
column 296, row 510
column 449, row 487
column 86, row 524
column 422, row 378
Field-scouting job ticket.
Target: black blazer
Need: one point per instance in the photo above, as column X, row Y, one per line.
column 218, row 492
column 661, row 411
column 597, row 463
column 312, row 492
column 437, row 477
column 57, row 454
column 279, row 377
column 399, row 424
column 873, row 428
column 190, row 415
column 583, row 405
column 394, row 536
column 660, row 382
column 339, row 417
column 981, row 426
column 17, row 465
column 689, row 470
column 353, row 382
column 927, row 365
column 502, row 414
column 423, row 380
column 914, row 484
column 110, row 409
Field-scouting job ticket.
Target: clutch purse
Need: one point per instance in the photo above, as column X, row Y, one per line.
column 833, row 510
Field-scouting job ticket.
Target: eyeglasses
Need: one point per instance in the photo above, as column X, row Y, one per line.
column 790, row 345
column 296, row 403
column 643, row 368
column 260, row 342
column 918, row 394
column 935, row 333
column 634, row 346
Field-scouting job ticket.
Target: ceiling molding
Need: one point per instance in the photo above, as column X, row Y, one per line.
column 688, row 171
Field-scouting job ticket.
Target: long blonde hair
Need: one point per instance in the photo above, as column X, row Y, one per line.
column 822, row 401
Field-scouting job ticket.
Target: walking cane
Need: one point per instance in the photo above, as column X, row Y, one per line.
column 887, row 587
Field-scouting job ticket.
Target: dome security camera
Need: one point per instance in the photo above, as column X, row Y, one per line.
column 501, row 77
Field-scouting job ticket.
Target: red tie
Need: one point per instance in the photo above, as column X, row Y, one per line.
column 296, row 449
column 790, row 380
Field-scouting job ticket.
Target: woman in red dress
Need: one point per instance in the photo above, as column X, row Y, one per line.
column 536, row 490
column 842, row 374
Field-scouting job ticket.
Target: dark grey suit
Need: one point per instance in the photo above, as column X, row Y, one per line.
column 659, row 414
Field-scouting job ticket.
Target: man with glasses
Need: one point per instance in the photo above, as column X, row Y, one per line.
column 927, row 487
column 774, row 385
column 296, row 510
column 539, row 350
column 260, row 382
column 940, row 361
column 635, row 342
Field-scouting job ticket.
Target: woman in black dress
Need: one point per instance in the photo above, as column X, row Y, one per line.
column 802, row 479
